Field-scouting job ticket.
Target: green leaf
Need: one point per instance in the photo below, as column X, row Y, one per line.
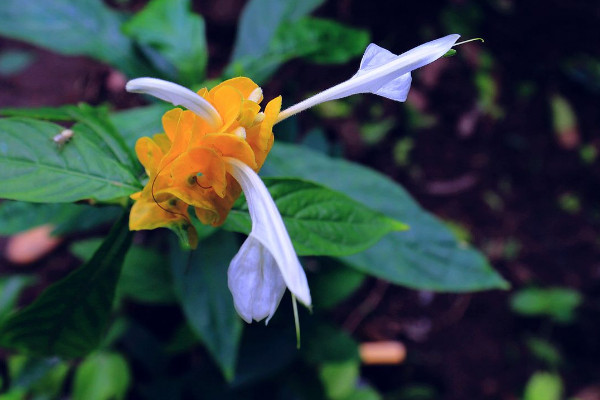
column 33, row 168
column 364, row 393
column 265, row 351
column 543, row 386
column 83, row 27
column 545, row 351
column 10, row 289
column 102, row 376
column 556, row 303
column 37, row 375
column 318, row 40
column 260, row 21
column 134, row 123
column 62, row 113
column 201, row 286
column 145, row 276
column 68, row 319
column 19, row 216
column 325, row 343
column 339, row 379
column 173, row 31
column 67, row 218
column 427, row 256
column 95, row 123
column 320, row 221
column 321, row 41
column 333, row 283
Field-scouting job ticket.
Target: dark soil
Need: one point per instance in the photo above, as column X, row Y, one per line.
column 500, row 176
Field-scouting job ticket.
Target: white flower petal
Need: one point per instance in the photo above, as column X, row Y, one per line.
column 177, row 95
column 381, row 73
column 396, row 89
column 255, row 282
column 269, row 230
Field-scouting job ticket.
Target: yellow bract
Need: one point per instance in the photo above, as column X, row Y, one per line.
column 186, row 164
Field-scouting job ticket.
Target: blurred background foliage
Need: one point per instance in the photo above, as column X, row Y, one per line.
column 500, row 141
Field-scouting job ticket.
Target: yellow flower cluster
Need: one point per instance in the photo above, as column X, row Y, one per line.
column 187, row 165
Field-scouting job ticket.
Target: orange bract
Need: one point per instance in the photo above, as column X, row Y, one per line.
column 186, row 165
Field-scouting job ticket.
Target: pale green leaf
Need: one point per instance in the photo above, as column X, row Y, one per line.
column 543, row 386
column 556, row 303
column 102, row 376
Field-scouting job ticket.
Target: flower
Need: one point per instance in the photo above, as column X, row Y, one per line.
column 381, row 72
column 266, row 262
column 212, row 151
column 186, row 165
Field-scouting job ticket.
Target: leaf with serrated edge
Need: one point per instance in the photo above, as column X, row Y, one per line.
column 33, row 168
column 320, row 221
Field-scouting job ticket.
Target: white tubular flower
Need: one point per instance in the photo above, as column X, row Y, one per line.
column 266, row 262
column 381, row 72
column 178, row 96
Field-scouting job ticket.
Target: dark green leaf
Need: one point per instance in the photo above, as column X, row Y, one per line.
column 68, row 319
column 320, row 41
column 18, row 216
column 260, row 21
column 10, row 289
column 201, row 286
column 171, row 29
column 427, row 256
column 102, row 376
column 544, row 351
column 86, row 218
column 265, row 351
column 320, row 221
column 325, row 343
column 183, row 340
column 83, row 27
column 145, row 276
column 33, row 168
column 333, row 283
